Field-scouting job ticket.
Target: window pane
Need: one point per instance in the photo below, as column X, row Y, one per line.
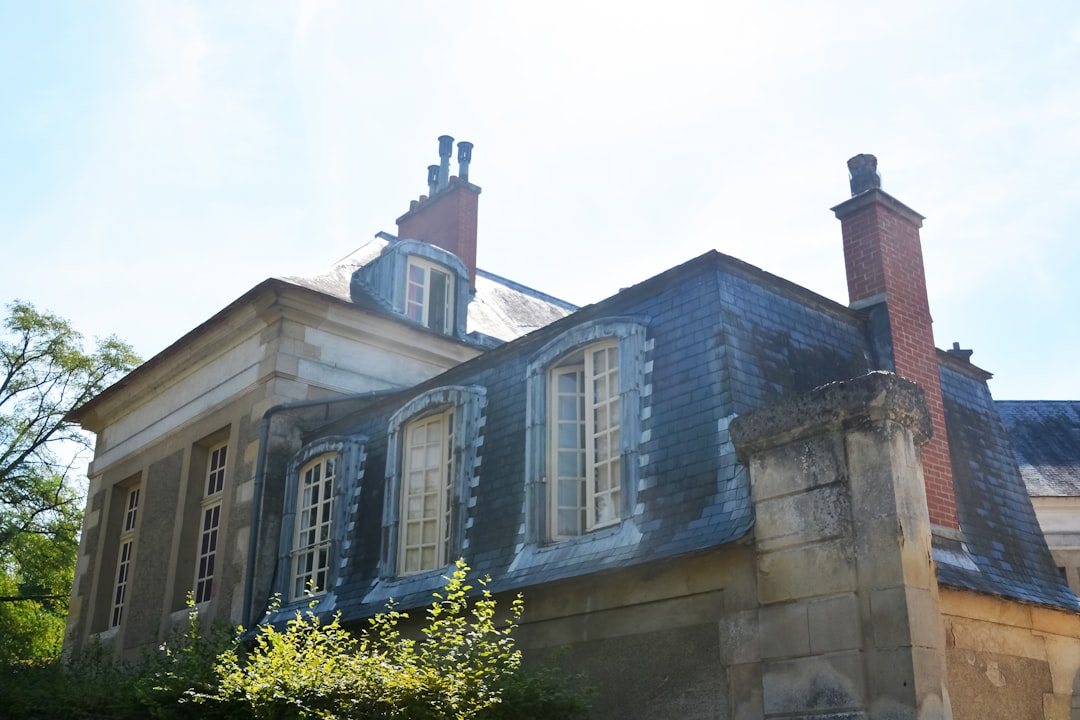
column 571, row 464
column 568, row 382
column 438, row 296
column 569, row 435
column 568, row 407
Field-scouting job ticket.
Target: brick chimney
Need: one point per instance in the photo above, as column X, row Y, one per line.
column 883, row 255
column 446, row 217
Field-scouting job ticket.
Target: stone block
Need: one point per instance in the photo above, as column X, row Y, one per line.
column 835, row 624
column 982, row 636
column 798, row 466
column 739, row 642
column 744, row 682
column 889, row 617
column 824, row 568
column 813, row 685
column 785, row 630
column 878, row 552
column 924, row 617
column 891, row 676
column 816, row 514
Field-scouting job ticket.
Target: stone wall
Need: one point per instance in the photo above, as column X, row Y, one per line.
column 1009, row 660
column 849, row 612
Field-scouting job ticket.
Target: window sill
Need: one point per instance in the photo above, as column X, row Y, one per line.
column 572, row 549
column 427, row 582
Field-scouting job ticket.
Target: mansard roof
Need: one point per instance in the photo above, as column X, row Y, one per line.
column 1045, row 436
column 724, row 337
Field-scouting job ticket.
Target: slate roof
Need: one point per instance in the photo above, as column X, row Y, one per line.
column 1004, row 551
column 500, row 308
column 723, row 338
column 1046, row 443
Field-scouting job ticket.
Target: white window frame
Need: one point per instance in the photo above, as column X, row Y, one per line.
column 594, row 450
column 290, row 580
column 312, row 531
column 125, row 554
column 627, row 334
column 210, row 522
column 460, row 409
column 427, row 485
column 418, row 280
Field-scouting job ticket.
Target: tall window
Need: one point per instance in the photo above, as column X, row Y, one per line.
column 584, row 422
column 432, row 467
column 427, row 493
column 211, row 521
column 429, row 295
column 314, row 522
column 585, row 392
column 124, row 557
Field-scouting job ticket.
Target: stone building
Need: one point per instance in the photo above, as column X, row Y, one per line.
column 724, row 495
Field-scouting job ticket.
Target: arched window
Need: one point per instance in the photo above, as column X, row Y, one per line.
column 321, row 494
column 584, row 427
column 432, row 467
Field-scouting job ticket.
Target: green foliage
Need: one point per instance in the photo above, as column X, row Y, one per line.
column 461, row 666
column 312, row 669
column 89, row 685
column 44, row 375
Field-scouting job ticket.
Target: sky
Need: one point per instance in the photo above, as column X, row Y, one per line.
column 159, row 159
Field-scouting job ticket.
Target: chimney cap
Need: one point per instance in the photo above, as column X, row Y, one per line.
column 863, row 174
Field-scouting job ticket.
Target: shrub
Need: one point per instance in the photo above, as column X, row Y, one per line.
column 463, row 666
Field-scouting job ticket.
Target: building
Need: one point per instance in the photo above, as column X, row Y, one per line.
column 1046, row 439
column 178, row 440
column 714, row 488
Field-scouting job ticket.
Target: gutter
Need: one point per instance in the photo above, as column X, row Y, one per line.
column 260, row 471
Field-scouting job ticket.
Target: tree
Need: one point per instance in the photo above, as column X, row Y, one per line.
column 44, row 375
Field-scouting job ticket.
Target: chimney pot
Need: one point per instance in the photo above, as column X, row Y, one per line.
column 464, row 157
column 863, row 174
column 432, row 178
column 446, row 148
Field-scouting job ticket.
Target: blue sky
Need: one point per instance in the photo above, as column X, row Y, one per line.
column 158, row 159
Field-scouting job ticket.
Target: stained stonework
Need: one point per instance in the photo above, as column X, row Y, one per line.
column 849, row 614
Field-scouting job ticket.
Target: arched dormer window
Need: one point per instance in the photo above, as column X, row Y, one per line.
column 321, row 495
column 432, row 466
column 420, row 282
column 583, row 429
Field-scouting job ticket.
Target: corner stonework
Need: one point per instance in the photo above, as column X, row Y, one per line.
column 849, row 616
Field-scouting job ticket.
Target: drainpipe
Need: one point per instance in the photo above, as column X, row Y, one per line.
column 260, row 471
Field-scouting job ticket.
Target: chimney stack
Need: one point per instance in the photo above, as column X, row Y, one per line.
column 885, row 274
column 447, row 217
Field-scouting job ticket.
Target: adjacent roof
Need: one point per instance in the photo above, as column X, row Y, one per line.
column 1004, row 551
column 501, row 308
column 1046, row 442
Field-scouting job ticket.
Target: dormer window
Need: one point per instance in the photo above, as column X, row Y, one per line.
column 429, row 295
column 419, row 282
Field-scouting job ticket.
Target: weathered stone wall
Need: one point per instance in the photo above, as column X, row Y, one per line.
column 831, row 611
column 848, row 605
column 1008, row 660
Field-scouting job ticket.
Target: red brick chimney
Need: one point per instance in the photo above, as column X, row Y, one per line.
column 883, row 255
column 446, row 216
